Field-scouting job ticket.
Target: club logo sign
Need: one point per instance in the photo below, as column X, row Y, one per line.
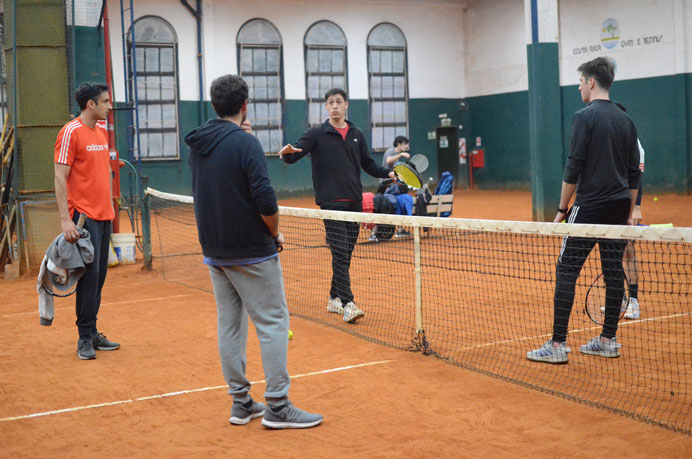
column 610, row 33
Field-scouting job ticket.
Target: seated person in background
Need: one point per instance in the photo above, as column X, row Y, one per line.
column 404, row 202
column 398, row 151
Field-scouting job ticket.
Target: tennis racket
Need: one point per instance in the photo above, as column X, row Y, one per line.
column 408, row 175
column 420, row 162
column 595, row 301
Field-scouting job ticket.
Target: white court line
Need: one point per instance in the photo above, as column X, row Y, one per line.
column 106, row 304
column 579, row 330
column 181, row 392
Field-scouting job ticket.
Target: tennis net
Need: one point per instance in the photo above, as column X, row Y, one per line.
column 479, row 294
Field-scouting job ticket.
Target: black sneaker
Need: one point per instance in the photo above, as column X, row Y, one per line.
column 101, row 343
column 85, row 349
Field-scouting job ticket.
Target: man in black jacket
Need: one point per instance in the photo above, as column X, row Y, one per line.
column 338, row 150
column 238, row 226
column 603, row 168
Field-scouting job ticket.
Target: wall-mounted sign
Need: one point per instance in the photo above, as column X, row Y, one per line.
column 478, row 141
column 444, row 142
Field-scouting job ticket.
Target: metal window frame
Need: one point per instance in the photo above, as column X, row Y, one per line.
column 176, row 101
column 306, row 49
column 281, row 100
column 372, row 99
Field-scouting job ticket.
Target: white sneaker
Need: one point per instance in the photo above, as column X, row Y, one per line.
column 334, row 305
column 633, row 311
column 623, row 306
column 352, row 313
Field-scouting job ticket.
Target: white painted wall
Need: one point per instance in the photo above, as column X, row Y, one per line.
column 184, row 25
column 456, row 48
column 433, row 30
column 494, row 38
column 647, row 43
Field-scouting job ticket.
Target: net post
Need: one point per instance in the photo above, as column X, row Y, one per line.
column 419, row 285
column 146, row 223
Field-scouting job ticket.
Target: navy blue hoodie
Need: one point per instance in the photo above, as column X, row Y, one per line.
column 231, row 188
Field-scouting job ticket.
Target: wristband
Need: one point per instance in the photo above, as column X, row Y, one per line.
column 564, row 211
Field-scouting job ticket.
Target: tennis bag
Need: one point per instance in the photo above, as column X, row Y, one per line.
column 445, row 186
column 383, row 205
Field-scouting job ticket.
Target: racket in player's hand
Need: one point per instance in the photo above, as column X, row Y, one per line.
column 279, row 241
column 288, row 149
column 408, row 175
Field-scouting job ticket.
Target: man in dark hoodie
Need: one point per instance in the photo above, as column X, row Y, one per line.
column 338, row 150
column 238, row 226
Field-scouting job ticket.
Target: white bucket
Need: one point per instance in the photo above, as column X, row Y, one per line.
column 124, row 246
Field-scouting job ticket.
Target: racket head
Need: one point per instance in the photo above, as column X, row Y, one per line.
column 595, row 301
column 420, row 162
column 408, row 175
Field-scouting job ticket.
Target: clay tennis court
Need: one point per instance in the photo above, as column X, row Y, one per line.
column 162, row 393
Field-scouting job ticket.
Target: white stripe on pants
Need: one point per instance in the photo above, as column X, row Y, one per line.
column 256, row 291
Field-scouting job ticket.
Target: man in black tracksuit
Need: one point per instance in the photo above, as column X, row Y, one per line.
column 603, row 167
column 338, row 150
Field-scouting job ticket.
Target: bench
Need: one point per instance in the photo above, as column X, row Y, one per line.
column 439, row 203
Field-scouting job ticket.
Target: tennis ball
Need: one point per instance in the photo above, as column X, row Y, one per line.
column 655, row 199
column 290, row 334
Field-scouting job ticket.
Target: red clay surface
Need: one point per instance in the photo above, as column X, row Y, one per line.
column 402, row 405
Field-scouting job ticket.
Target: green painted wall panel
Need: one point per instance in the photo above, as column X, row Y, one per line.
column 91, row 63
column 657, row 107
column 545, row 129
column 423, row 118
column 503, row 125
column 688, row 127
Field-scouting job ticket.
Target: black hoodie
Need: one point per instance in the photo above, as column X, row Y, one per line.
column 231, row 189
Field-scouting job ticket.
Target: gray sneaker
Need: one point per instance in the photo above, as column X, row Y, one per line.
column 241, row 413
column 352, row 312
column 85, row 349
column 334, row 305
column 608, row 348
column 290, row 417
column 101, row 343
column 550, row 354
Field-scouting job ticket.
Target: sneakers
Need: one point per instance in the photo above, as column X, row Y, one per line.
column 242, row 413
column 633, row 311
column 402, row 233
column 101, row 343
column 602, row 347
column 290, row 417
column 373, row 237
column 623, row 306
column 352, row 313
column 85, row 349
column 334, row 305
column 548, row 353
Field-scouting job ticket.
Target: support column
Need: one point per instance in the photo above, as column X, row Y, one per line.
column 545, row 107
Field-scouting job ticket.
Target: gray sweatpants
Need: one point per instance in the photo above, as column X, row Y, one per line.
column 257, row 291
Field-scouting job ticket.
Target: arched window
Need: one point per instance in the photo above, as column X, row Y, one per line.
column 325, row 66
column 157, row 88
column 388, row 84
column 259, row 61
